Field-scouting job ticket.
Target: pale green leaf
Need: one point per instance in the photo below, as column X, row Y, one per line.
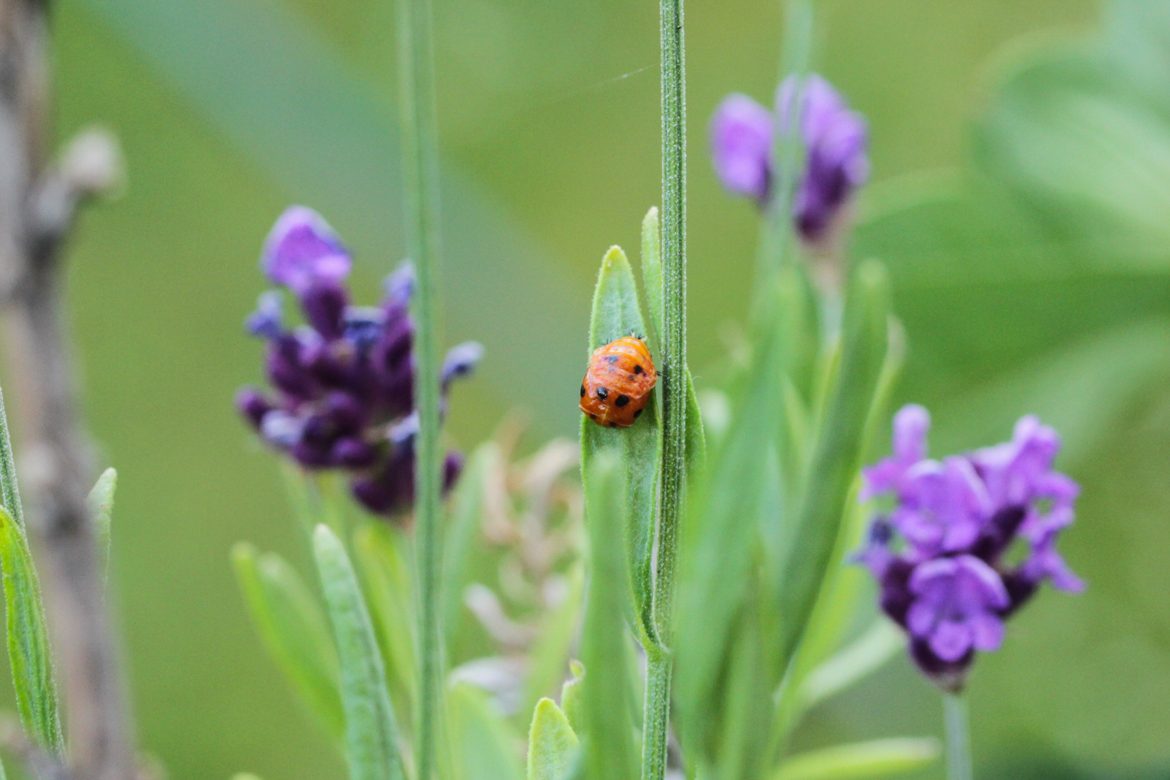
column 294, row 631
column 483, row 742
column 616, row 313
column 879, row 758
column 552, row 743
column 101, row 511
column 371, row 737
column 29, row 653
column 652, row 272
column 607, row 724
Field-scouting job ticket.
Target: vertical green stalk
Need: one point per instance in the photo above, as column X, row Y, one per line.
column 958, row 738
column 674, row 385
column 776, row 242
column 420, row 157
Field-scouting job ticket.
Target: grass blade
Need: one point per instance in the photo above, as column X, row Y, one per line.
column 28, row 639
column 879, row 758
column 294, row 630
column 371, row 735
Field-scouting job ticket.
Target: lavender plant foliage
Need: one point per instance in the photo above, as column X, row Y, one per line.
column 965, row 541
column 835, row 141
column 342, row 394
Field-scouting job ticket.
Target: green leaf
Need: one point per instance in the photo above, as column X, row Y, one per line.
column 836, row 458
column 879, row 758
column 865, row 655
column 546, row 658
column 386, row 576
column 571, row 696
column 606, row 696
column 616, row 313
column 28, row 639
column 467, row 506
column 481, row 737
column 294, row 631
column 101, row 510
column 722, row 525
column 652, row 273
column 371, row 736
column 9, row 489
column 552, row 743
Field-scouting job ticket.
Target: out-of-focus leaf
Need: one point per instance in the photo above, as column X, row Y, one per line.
column 836, row 458
column 571, row 696
column 294, row 630
column 616, row 313
column 747, row 709
column 719, row 536
column 466, row 511
column 371, row 735
column 864, row 655
column 552, row 743
column 546, row 659
column 604, row 643
column 386, row 577
column 28, row 639
column 101, row 511
column 9, row 489
column 879, row 758
column 484, row 745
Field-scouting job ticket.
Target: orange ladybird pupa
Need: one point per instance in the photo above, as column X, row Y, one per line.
column 618, row 382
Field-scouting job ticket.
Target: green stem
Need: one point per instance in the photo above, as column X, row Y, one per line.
column 674, row 385
column 420, row 157
column 958, row 738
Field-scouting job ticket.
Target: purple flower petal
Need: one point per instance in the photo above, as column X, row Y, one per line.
column 302, row 249
column 741, row 146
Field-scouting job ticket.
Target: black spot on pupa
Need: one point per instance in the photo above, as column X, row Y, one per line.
column 602, row 393
column 622, row 400
column 638, row 413
column 582, row 391
column 638, row 368
column 612, row 424
column 592, row 416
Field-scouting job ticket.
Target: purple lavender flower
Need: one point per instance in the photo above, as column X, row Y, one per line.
column 835, row 141
column 943, row 552
column 343, row 382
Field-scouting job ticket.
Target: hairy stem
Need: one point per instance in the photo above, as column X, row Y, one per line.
column 674, row 385
column 420, row 156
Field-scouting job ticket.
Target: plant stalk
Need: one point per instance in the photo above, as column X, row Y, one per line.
column 421, row 185
column 674, row 386
column 958, row 737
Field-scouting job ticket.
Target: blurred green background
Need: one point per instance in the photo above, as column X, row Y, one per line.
column 1021, row 197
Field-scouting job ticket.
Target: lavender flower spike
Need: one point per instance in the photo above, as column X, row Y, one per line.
column 834, row 139
column 741, row 146
column 938, row 549
column 343, row 380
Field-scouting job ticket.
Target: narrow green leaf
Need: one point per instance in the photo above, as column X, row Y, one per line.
column 371, row 736
column 101, row 510
column 571, row 696
column 723, row 521
column 28, row 639
column 467, row 503
column 484, row 744
column 551, row 743
column 385, row 574
column 610, row 750
column 837, row 455
column 294, row 631
column 865, row 655
column 652, row 272
column 546, row 658
column 696, row 435
column 9, row 489
column 616, row 313
column 879, row 758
